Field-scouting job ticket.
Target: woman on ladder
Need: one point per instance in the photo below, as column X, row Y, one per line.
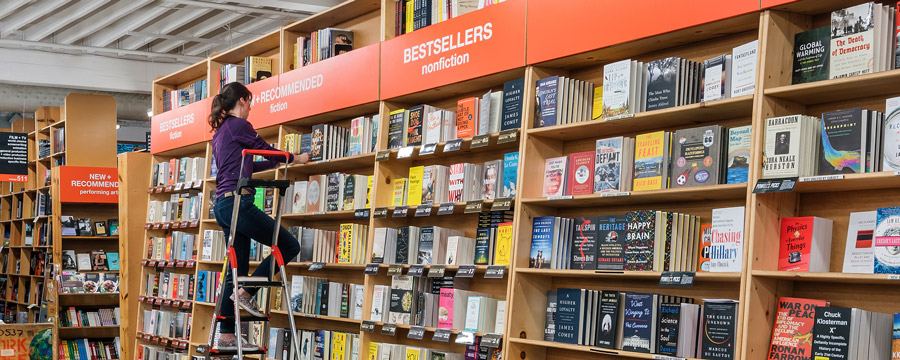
column 233, row 134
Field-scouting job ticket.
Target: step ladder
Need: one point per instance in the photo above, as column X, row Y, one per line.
column 252, row 281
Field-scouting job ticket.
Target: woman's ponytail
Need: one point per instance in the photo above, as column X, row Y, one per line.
column 225, row 101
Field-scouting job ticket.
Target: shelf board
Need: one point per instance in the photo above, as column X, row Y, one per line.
column 358, row 267
column 830, row 277
column 458, row 208
column 88, row 331
column 687, row 115
column 589, row 349
column 852, row 182
column 113, row 237
column 320, row 317
column 643, row 275
column 825, row 91
column 697, row 193
column 327, row 215
column 340, row 164
column 337, row 14
column 465, row 147
column 88, row 299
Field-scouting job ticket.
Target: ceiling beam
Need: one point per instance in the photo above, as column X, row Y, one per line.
column 11, row 7
column 60, row 19
column 242, row 9
column 242, row 33
column 205, row 27
column 129, row 22
column 304, row 5
column 38, row 45
column 30, row 14
column 176, row 37
column 163, row 26
column 100, row 20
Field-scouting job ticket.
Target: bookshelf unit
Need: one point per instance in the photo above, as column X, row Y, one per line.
column 134, row 180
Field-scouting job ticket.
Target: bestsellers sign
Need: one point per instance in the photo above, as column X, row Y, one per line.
column 473, row 45
column 180, row 127
column 86, row 184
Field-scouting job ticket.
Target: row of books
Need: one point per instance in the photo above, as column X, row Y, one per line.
column 90, row 349
column 43, row 148
column 178, row 170
column 255, row 68
column 442, row 246
column 314, row 345
column 88, row 283
column 319, row 296
column 642, row 322
column 155, row 352
column 448, row 305
column 178, row 245
column 168, row 324
column 182, row 206
column 410, row 15
column 329, row 142
column 859, row 40
column 495, row 111
column 169, row 285
column 42, row 205
column 96, row 260
column 332, row 192
column 82, row 227
column 176, row 98
column 207, row 283
column 320, row 45
column 701, row 156
column 85, row 318
column 42, row 234
column 811, row 328
column 631, row 86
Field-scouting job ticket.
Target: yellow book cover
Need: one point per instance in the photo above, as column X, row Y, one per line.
column 413, row 353
column 338, row 345
column 597, row 112
column 649, row 153
column 260, row 68
column 288, row 143
column 414, row 190
column 399, row 192
column 373, row 350
column 345, row 246
column 503, row 247
column 293, row 59
column 369, row 192
column 409, row 24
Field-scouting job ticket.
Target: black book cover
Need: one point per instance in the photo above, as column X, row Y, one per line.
column 511, row 116
column 345, row 301
column 717, row 335
column 395, row 130
column 841, row 150
column 584, row 243
column 569, row 307
column 550, row 329
column 831, row 333
column 349, row 192
column 317, row 143
column 306, row 244
column 669, row 317
column 811, row 55
column 334, row 192
column 403, row 245
column 662, row 85
column 323, row 304
column 426, row 245
column 414, row 125
column 611, row 234
column 608, row 317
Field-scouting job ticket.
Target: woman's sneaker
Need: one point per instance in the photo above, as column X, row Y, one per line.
column 232, row 345
column 248, row 305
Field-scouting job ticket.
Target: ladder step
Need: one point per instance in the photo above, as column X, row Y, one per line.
column 257, row 281
column 243, row 318
column 217, row 353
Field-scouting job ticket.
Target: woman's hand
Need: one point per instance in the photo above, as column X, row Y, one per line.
column 301, row 158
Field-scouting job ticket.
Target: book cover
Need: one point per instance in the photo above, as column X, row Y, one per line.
column 608, row 165
column 333, row 192
column 795, row 243
column 639, row 318
column 433, row 127
column 396, row 129
column 639, row 241
column 399, row 192
column 510, row 174
column 793, row 330
column 426, row 245
column 550, row 320
column 349, row 192
column 843, row 142
column 890, row 160
column 401, row 301
column 569, row 320
column 650, row 163
column 831, row 333
column 455, row 186
column 726, row 249
column 717, row 327
column 611, row 234
column 704, row 263
column 483, row 246
column 698, row 155
column 513, row 96
column 414, row 190
column 597, row 103
column 608, row 316
column 402, row 253
column 547, row 90
column 467, row 118
column 662, row 85
column 581, row 174
column 541, row 242
column 555, row 176
column 895, row 338
column 715, row 78
column 782, row 147
column 503, row 245
column 743, row 69
column 616, row 89
column 737, row 166
column 584, row 244
column 852, row 41
column 428, row 179
column 858, row 251
column 886, row 244
column 317, row 143
column 492, row 174
column 811, row 55
column 668, row 329
column 414, row 125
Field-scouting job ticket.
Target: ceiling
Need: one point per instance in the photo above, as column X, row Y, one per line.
column 181, row 31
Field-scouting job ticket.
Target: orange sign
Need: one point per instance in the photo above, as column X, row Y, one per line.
column 87, row 184
column 765, row 4
column 473, row 45
column 180, row 127
column 340, row 82
column 561, row 28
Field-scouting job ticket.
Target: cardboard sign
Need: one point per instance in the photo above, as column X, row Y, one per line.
column 14, row 157
column 473, row 45
column 181, row 127
column 86, row 184
column 547, row 19
column 339, row 82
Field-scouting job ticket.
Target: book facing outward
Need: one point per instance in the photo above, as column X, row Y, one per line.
column 718, row 321
column 697, row 156
column 792, row 333
column 651, row 161
column 555, row 176
column 743, row 68
column 737, row 165
column 787, row 143
column 805, row 244
column 887, row 241
column 726, row 241
column 580, row 180
column 844, row 135
column 613, row 165
column 858, row 252
column 811, row 55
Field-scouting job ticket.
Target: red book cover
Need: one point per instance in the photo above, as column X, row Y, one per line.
column 792, row 334
column 173, row 171
column 466, row 118
column 581, row 173
column 795, row 243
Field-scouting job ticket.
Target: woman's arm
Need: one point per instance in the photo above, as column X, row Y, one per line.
column 248, row 137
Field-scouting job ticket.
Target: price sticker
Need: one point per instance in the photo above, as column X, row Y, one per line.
column 382, row 155
column 491, row 340
column 560, row 197
column 380, row 212
column 465, row 338
column 416, row 270
column 361, row 213
column 400, row 211
column 615, row 194
column 474, row 206
column 502, row 204
column 389, row 329
column 466, row 271
column 416, row 333
column 372, row 269
column 495, row 272
column 179, row 186
column 423, row 210
column 452, row 145
column 480, row 141
column 506, row 136
column 446, row 208
column 405, row 152
column 436, row 271
column 442, row 335
column 316, row 266
column 395, row 270
column 427, row 149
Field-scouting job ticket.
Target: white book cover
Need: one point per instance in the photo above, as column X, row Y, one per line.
column 473, row 310
column 433, row 127
column 891, row 136
column 727, row 241
column 297, row 293
column 500, row 321
column 555, row 176
column 782, row 147
column 852, row 41
column 858, row 255
column 743, row 69
column 616, row 89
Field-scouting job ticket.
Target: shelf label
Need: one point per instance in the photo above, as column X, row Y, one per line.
column 821, row 178
column 367, row 326
column 560, row 197
column 617, row 117
column 88, row 184
column 361, row 213
column 663, row 357
column 416, row 270
column 677, row 278
column 765, row 186
column 380, row 212
column 480, row 141
column 382, row 155
column 465, row 271
column 372, row 269
column 423, row 210
column 395, row 270
column 400, row 211
column 316, row 266
column 442, row 335
column 893, row 276
column 317, row 213
column 436, row 271
column 180, row 127
column 615, row 194
column 179, row 186
column 446, row 208
column 491, row 340
column 495, row 272
column 416, row 333
column 474, row 206
column 452, row 145
column 405, row 152
column 465, row 338
column 896, row 172
column 502, row 204
column 506, row 136
column 427, row 149
column 389, row 329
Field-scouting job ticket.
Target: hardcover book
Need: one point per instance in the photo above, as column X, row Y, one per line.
column 414, row 125
column 639, row 242
column 698, row 156
column 609, row 165
column 782, row 147
column 513, row 96
column 569, row 319
column 886, row 245
column 726, row 248
column 704, row 262
column 651, row 154
column 668, row 328
column 662, row 86
column 716, row 81
column 890, row 160
column 608, row 317
column 555, row 176
column 843, row 147
column 467, row 118
column 581, row 174
column 584, row 244
column 414, row 190
column 611, row 234
column 811, row 55
column 617, row 89
column 541, row 242
column 793, row 328
column 639, row 322
column 743, row 69
column 547, row 92
column 858, row 252
column 503, row 245
column 832, row 333
column 510, row 174
column 717, row 326
column 737, row 166
column 396, row 129
column 317, row 143
column 805, row 244
column 853, row 41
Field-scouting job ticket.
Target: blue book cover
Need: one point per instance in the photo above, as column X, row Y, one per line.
column 320, row 345
column 737, row 166
column 896, row 330
column 569, row 322
column 541, row 242
column 202, row 284
column 639, row 318
column 547, row 89
column 510, row 173
column 112, row 259
column 886, row 244
column 482, row 246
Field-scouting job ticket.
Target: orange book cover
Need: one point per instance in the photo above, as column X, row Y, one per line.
column 705, row 243
column 466, row 117
column 792, row 334
column 173, row 171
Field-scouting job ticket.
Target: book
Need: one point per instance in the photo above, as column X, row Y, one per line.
column 718, row 329
column 716, row 78
column 662, row 85
column 784, row 138
column 84, row 262
column 414, row 125
column 112, row 258
column 743, row 68
column 513, row 98
column 547, row 90
column 737, row 165
column 510, row 174
column 811, row 55
column 639, row 240
column 792, row 333
column 886, row 241
column 608, row 315
column 611, row 235
column 639, row 325
column 890, row 160
column 704, row 262
column 503, row 244
column 843, row 147
column 414, row 190
column 467, row 118
column 617, row 84
column 555, row 176
column 396, row 129
column 858, row 251
column 853, row 41
column 492, row 178
column 580, row 180
column 584, row 244
column 726, row 243
column 614, row 158
column 805, row 244
column 698, row 156
column 651, row 161
column 836, row 333
column 541, row 242
column 569, row 319
column 597, row 104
